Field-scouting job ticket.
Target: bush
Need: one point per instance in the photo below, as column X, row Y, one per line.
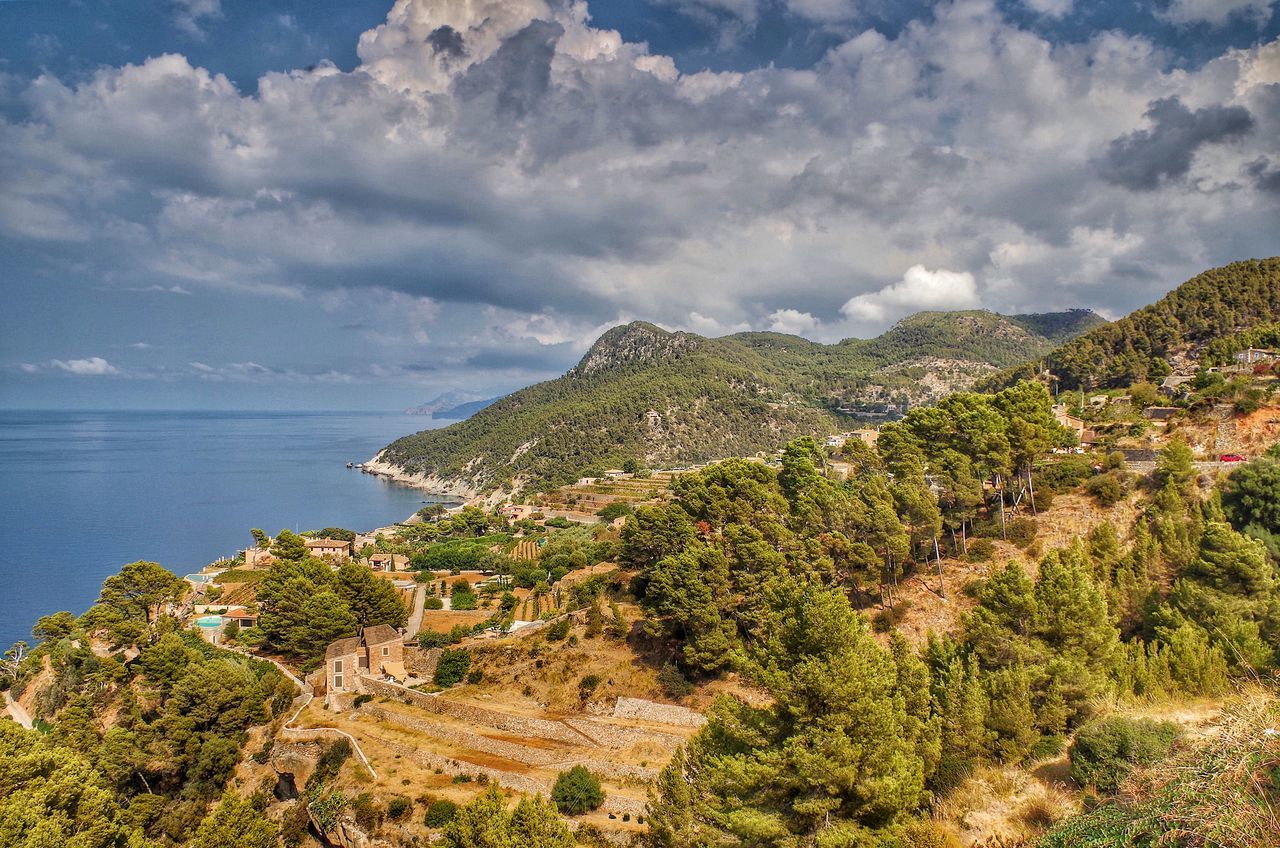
column 890, row 617
column 440, row 813
column 434, row 639
column 452, row 667
column 329, row 763
column 614, row 510
column 558, row 522
column 398, row 807
column 1021, row 531
column 366, row 812
column 361, row 700
column 929, row 834
column 1044, row 500
column 577, row 791
column 981, row 550
column 434, row 603
column 1107, row 489
column 1047, row 747
column 588, row 685
column 1064, row 475
column 559, row 629
column 1106, row 750
column 463, row 601
column 673, row 681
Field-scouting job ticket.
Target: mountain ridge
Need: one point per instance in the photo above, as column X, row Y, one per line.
column 666, row 397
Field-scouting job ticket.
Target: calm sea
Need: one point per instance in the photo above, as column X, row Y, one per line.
column 82, row 493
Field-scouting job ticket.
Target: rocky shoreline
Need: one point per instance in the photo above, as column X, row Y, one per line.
column 429, row 483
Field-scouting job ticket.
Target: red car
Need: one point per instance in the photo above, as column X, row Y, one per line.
column 1231, row 457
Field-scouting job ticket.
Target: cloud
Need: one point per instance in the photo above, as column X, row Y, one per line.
column 94, row 366
column 1050, row 8
column 1219, row 12
column 189, row 15
column 140, row 346
column 919, row 289
column 792, row 322
column 1141, row 160
column 504, row 173
column 158, row 289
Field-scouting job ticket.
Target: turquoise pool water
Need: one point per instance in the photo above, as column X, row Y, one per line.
column 209, row 621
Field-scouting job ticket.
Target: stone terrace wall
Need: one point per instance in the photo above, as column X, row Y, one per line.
column 474, row 741
column 519, row 725
column 642, row 710
column 612, row 736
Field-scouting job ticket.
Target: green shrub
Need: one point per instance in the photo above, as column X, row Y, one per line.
column 330, row 762
column 434, row 603
column 361, row 700
column 463, row 601
column 588, row 685
column 673, row 681
column 452, row 667
column 1108, row 489
column 981, row 550
column 890, row 617
column 577, row 791
column 557, row 630
column 398, row 807
column 366, row 812
column 1064, row 475
column 434, row 639
column 1106, row 750
column 440, row 813
column 1047, row 747
column 1021, row 531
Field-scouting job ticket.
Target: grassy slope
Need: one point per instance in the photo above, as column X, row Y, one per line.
column 678, row 397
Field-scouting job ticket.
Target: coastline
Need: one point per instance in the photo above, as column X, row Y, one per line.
column 429, row 483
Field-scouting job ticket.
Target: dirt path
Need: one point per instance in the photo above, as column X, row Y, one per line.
column 17, row 712
column 415, row 618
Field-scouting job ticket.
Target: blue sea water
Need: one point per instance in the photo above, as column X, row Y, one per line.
column 82, row 493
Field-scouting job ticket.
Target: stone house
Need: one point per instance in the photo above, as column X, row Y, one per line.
column 377, row 652
column 334, row 549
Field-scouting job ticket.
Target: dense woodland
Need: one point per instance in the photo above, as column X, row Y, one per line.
column 179, row 714
column 1216, row 305
column 760, row 572
column 732, row 396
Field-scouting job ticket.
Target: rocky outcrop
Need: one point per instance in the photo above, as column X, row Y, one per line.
column 297, row 760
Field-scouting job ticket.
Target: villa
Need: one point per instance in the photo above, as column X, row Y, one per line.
column 336, row 549
column 377, row 652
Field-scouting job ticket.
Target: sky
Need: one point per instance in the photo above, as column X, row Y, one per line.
column 343, row 204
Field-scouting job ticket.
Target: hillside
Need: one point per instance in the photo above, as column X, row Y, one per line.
column 666, row 398
column 1167, row 334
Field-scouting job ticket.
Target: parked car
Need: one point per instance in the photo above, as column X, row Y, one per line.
column 1231, row 457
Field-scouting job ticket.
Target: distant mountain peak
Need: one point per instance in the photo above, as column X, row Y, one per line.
column 637, row 343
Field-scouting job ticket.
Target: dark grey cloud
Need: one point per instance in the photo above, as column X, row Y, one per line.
column 1141, row 159
column 448, row 41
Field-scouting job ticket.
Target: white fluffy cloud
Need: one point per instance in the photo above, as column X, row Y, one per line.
column 499, row 170
column 919, row 289
column 94, row 366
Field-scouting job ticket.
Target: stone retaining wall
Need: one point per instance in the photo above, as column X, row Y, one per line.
column 474, row 741
column 642, row 710
column 612, row 736
column 519, row 725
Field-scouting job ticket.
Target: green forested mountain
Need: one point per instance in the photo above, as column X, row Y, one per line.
column 661, row 398
column 1214, row 305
